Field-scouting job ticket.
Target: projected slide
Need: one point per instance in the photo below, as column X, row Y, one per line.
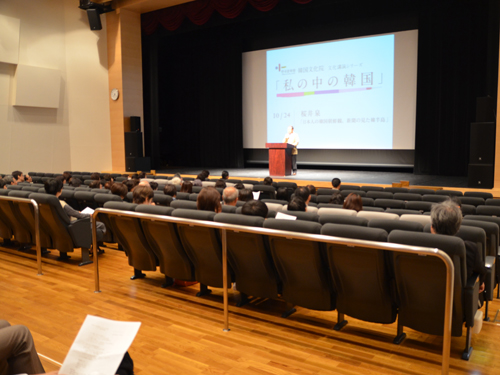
column 336, row 95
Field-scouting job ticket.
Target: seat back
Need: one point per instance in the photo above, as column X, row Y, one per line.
column 389, row 203
column 336, row 211
column 421, row 297
column 379, row 194
column 419, row 206
column 191, row 205
column 422, row 219
column 492, row 232
column 377, row 215
column 390, row 225
column 343, row 219
column 488, row 210
column 266, row 192
column 478, row 194
column 408, row 196
column 475, row 201
column 307, row 216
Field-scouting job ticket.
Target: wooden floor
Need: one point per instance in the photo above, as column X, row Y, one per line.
column 182, row 333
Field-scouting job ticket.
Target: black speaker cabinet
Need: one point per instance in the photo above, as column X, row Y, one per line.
column 133, row 144
column 481, row 176
column 94, row 19
column 134, row 164
column 135, row 124
column 485, row 109
column 482, row 143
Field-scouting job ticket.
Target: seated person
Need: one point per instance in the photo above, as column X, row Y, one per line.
column 245, row 195
column 9, row 180
column 154, row 185
column 225, row 175
column 303, row 193
column 230, row 196
column 205, row 173
column 446, row 218
column 255, row 208
column 297, row 204
column 54, row 187
column 353, row 202
column 143, row 194
column 337, row 198
column 239, row 185
column 67, row 178
column 170, row 190
column 119, row 189
column 312, row 189
column 209, row 200
column 130, row 184
column 187, row 187
column 220, row 184
column 76, row 182
column 95, row 184
column 95, row 176
column 19, row 177
column 268, row 181
column 336, row 183
column 3, row 184
column 175, row 181
column 282, row 194
column 198, row 180
column 107, row 185
column 108, row 177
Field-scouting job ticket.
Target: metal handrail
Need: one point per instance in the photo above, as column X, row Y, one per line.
column 36, row 214
column 450, row 277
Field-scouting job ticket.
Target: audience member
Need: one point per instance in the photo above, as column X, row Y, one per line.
column 76, row 182
column 220, row 184
column 268, row 181
column 225, row 175
column 129, row 184
column 107, row 185
column 245, row 195
column 3, row 184
column 198, row 180
column 303, row 193
column 353, row 202
column 17, row 177
column 239, row 185
column 255, row 208
column 154, row 185
column 312, row 189
column 337, row 198
column 175, row 181
column 297, row 204
column 107, row 177
column 205, row 173
column 446, row 218
column 143, row 194
column 141, row 175
column 336, row 183
column 209, row 200
column 119, row 189
column 95, row 184
column 143, row 183
column 187, row 187
column 67, row 176
column 9, row 180
column 170, row 190
column 230, row 196
column 95, row 176
column 282, row 194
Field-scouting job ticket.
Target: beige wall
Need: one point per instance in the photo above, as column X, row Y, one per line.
column 55, row 34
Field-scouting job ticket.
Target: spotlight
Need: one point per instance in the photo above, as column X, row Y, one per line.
column 94, row 11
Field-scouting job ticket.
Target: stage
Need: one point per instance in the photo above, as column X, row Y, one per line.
column 324, row 175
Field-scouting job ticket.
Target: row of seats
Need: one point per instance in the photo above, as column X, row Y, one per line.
column 356, row 280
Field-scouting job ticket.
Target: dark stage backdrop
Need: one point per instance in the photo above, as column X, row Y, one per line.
column 192, row 75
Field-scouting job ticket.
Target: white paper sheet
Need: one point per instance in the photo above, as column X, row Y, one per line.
column 88, row 210
column 256, row 195
column 282, row 216
column 99, row 347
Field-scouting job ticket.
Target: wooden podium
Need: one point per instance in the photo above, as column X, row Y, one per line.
column 280, row 159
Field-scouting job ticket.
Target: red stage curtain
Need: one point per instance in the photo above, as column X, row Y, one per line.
column 200, row 12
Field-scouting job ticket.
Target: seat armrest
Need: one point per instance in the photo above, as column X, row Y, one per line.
column 489, row 280
column 471, row 298
column 489, row 262
column 81, row 233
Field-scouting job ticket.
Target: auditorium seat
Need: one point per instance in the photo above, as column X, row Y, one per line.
column 349, row 187
column 345, row 193
column 274, row 206
column 492, row 202
column 377, row 215
column 228, row 209
column 100, row 191
column 196, row 189
column 86, row 199
column 420, row 206
column 14, row 187
column 343, row 219
column 182, row 196
column 390, row 225
column 183, row 204
column 450, row 193
column 389, row 203
column 323, row 199
column 478, row 194
column 368, row 201
column 336, row 211
column 328, row 205
column 422, row 219
column 396, row 190
column 379, row 194
column 166, row 245
column 402, row 211
column 250, row 258
column 278, row 201
column 372, row 188
column 468, row 209
column 360, row 276
column 421, row 303
column 101, row 199
column 301, row 267
column 421, row 191
column 208, row 183
column 326, row 191
column 373, row 209
column 14, row 221
column 266, row 192
column 33, row 189
column 475, row 201
column 407, row 197
column 488, row 210
column 307, row 216
column 492, row 233
column 162, row 200
column 434, row 198
column 66, row 235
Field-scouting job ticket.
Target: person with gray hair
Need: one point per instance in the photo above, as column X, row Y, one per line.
column 230, row 196
column 446, row 218
column 9, row 180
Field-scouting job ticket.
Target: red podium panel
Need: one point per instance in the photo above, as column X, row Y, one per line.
column 280, row 159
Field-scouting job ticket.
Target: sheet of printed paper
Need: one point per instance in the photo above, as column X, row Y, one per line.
column 282, row 216
column 99, row 347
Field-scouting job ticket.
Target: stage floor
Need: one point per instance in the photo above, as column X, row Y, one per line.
column 357, row 177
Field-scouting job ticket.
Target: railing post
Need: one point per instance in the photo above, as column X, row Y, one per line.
column 36, row 214
column 448, row 310
column 94, row 249
column 224, row 280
